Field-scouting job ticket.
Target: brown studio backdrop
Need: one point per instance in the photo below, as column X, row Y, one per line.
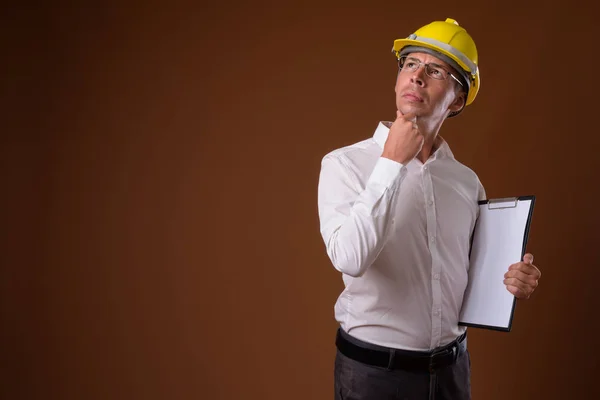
column 160, row 164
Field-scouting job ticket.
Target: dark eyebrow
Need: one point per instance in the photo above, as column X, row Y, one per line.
column 438, row 66
column 432, row 64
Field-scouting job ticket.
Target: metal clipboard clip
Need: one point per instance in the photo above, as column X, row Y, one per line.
column 506, row 202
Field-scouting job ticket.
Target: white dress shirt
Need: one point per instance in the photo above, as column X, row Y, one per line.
column 400, row 235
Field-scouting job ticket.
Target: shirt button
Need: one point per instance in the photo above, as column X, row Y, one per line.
column 430, row 202
column 432, row 239
column 436, row 276
column 425, row 168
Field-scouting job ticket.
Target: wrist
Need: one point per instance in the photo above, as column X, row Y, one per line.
column 394, row 157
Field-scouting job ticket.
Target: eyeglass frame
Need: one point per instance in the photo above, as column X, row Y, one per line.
column 402, row 60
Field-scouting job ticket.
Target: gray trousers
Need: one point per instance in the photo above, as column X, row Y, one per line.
column 354, row 380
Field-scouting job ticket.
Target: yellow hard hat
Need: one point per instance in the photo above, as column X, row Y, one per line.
column 451, row 43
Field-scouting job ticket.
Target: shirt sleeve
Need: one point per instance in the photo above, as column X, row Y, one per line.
column 481, row 193
column 355, row 221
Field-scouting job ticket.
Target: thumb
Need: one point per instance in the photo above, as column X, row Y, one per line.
column 528, row 258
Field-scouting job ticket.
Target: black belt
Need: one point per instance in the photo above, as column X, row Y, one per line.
column 403, row 359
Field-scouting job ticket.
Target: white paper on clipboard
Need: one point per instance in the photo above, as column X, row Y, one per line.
column 499, row 240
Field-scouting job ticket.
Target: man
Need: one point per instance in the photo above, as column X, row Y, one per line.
column 397, row 212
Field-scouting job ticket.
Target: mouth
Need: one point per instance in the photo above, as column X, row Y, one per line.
column 411, row 96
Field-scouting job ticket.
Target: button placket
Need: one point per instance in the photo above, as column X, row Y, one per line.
column 436, row 290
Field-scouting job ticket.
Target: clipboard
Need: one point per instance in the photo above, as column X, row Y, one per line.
column 499, row 239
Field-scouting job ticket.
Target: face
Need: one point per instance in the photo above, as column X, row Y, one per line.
column 429, row 98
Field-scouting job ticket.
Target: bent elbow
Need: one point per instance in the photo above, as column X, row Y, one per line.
column 351, row 266
column 350, row 257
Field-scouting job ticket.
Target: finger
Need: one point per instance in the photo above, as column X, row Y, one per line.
column 515, row 282
column 528, row 279
column 523, row 287
column 528, row 269
column 527, row 259
column 518, row 293
column 519, row 289
column 524, row 268
column 410, row 116
column 526, row 287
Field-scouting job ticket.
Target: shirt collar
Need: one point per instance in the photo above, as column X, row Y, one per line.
column 383, row 129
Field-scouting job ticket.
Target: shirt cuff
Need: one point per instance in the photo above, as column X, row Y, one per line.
column 386, row 172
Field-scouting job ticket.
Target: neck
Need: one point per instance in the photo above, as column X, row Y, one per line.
column 432, row 142
column 429, row 147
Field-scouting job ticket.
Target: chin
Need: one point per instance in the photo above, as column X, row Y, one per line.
column 410, row 108
column 415, row 110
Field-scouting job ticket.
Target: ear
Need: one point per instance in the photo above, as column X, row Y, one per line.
column 459, row 101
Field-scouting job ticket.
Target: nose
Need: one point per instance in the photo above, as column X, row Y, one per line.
column 417, row 76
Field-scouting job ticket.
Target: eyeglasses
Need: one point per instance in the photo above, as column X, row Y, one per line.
column 432, row 70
